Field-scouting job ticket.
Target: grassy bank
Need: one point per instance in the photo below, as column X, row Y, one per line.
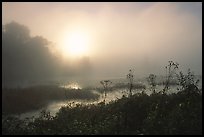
column 158, row 113
column 21, row 100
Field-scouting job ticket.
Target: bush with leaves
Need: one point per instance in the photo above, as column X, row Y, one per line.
column 187, row 82
column 138, row 114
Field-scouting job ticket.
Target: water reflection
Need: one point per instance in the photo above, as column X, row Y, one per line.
column 54, row 107
column 73, row 85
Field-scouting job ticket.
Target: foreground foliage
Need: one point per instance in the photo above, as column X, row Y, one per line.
column 158, row 113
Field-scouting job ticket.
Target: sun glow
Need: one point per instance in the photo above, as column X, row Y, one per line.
column 75, row 44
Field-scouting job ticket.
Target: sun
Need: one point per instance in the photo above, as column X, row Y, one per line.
column 75, row 44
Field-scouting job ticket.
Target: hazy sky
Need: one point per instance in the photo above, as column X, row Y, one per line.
column 141, row 36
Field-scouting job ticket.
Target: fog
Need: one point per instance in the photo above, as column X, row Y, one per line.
column 29, row 59
column 138, row 36
column 101, row 68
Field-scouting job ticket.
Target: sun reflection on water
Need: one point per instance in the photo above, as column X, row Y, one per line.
column 71, row 86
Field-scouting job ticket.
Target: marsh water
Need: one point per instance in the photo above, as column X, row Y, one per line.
column 54, row 106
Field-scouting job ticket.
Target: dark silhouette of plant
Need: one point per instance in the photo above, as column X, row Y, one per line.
column 170, row 71
column 152, row 81
column 141, row 114
column 130, row 81
column 105, row 84
column 187, row 82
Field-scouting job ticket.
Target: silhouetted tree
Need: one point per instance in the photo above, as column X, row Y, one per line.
column 29, row 59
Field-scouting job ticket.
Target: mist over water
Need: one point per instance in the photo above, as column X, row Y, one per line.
column 59, row 54
column 122, row 36
column 96, row 88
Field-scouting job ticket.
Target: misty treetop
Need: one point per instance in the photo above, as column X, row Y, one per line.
column 27, row 58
